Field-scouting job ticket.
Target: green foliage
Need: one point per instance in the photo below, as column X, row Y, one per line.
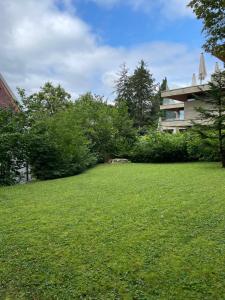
column 134, row 231
column 212, row 12
column 48, row 101
column 124, row 133
column 58, row 147
column 95, row 117
column 67, row 142
column 138, row 92
column 12, row 146
column 123, row 89
column 160, row 147
column 166, row 147
column 213, row 113
column 108, row 129
column 143, row 96
column 163, row 87
column 203, row 149
column 60, row 138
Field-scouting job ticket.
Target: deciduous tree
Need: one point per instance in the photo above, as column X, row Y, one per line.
column 212, row 13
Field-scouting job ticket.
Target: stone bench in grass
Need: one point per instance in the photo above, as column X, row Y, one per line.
column 119, row 161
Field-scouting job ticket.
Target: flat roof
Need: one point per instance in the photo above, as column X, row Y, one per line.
column 183, row 94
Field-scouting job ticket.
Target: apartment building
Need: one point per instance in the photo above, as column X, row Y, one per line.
column 178, row 109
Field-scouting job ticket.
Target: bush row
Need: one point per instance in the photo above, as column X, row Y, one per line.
column 180, row 147
column 63, row 142
column 85, row 133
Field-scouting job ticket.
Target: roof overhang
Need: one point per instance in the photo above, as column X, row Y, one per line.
column 183, row 94
column 12, row 97
column 176, row 106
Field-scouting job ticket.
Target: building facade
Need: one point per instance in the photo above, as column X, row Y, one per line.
column 179, row 108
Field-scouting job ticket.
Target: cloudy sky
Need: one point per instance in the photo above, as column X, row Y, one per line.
column 81, row 43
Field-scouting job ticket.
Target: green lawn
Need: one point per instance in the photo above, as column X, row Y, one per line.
column 135, row 231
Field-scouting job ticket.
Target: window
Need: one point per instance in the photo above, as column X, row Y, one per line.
column 170, row 115
column 169, row 101
column 181, row 114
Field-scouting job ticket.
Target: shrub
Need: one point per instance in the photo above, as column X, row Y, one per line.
column 160, row 147
column 180, row 147
column 11, row 158
column 108, row 129
column 58, row 148
column 203, row 149
column 12, row 146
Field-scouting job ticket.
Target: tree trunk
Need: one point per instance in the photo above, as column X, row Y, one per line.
column 222, row 154
column 223, row 160
column 221, row 148
column 27, row 171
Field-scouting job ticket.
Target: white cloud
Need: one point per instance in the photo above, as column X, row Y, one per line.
column 40, row 43
column 171, row 9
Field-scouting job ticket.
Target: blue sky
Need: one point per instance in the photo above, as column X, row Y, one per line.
column 82, row 43
column 120, row 25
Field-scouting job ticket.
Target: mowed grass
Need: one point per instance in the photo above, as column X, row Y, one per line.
column 134, row 231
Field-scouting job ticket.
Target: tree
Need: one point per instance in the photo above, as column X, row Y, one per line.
column 48, row 101
column 123, row 89
column 108, row 128
column 164, row 85
column 213, row 114
column 124, row 131
column 138, row 93
column 58, row 147
column 145, row 104
column 212, row 12
column 56, row 143
column 12, row 145
column 95, row 117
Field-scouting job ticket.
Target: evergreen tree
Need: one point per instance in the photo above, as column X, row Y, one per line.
column 163, row 87
column 145, row 104
column 213, row 114
column 123, row 89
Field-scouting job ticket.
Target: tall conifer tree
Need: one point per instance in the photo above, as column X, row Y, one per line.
column 144, row 99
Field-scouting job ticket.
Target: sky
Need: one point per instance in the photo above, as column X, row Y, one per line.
column 81, row 44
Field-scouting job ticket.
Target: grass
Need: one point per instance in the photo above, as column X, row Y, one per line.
column 135, row 231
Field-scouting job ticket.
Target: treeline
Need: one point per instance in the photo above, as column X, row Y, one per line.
column 54, row 136
column 58, row 137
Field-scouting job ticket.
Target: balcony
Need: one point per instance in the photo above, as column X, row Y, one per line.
column 183, row 94
column 175, row 123
column 174, row 106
